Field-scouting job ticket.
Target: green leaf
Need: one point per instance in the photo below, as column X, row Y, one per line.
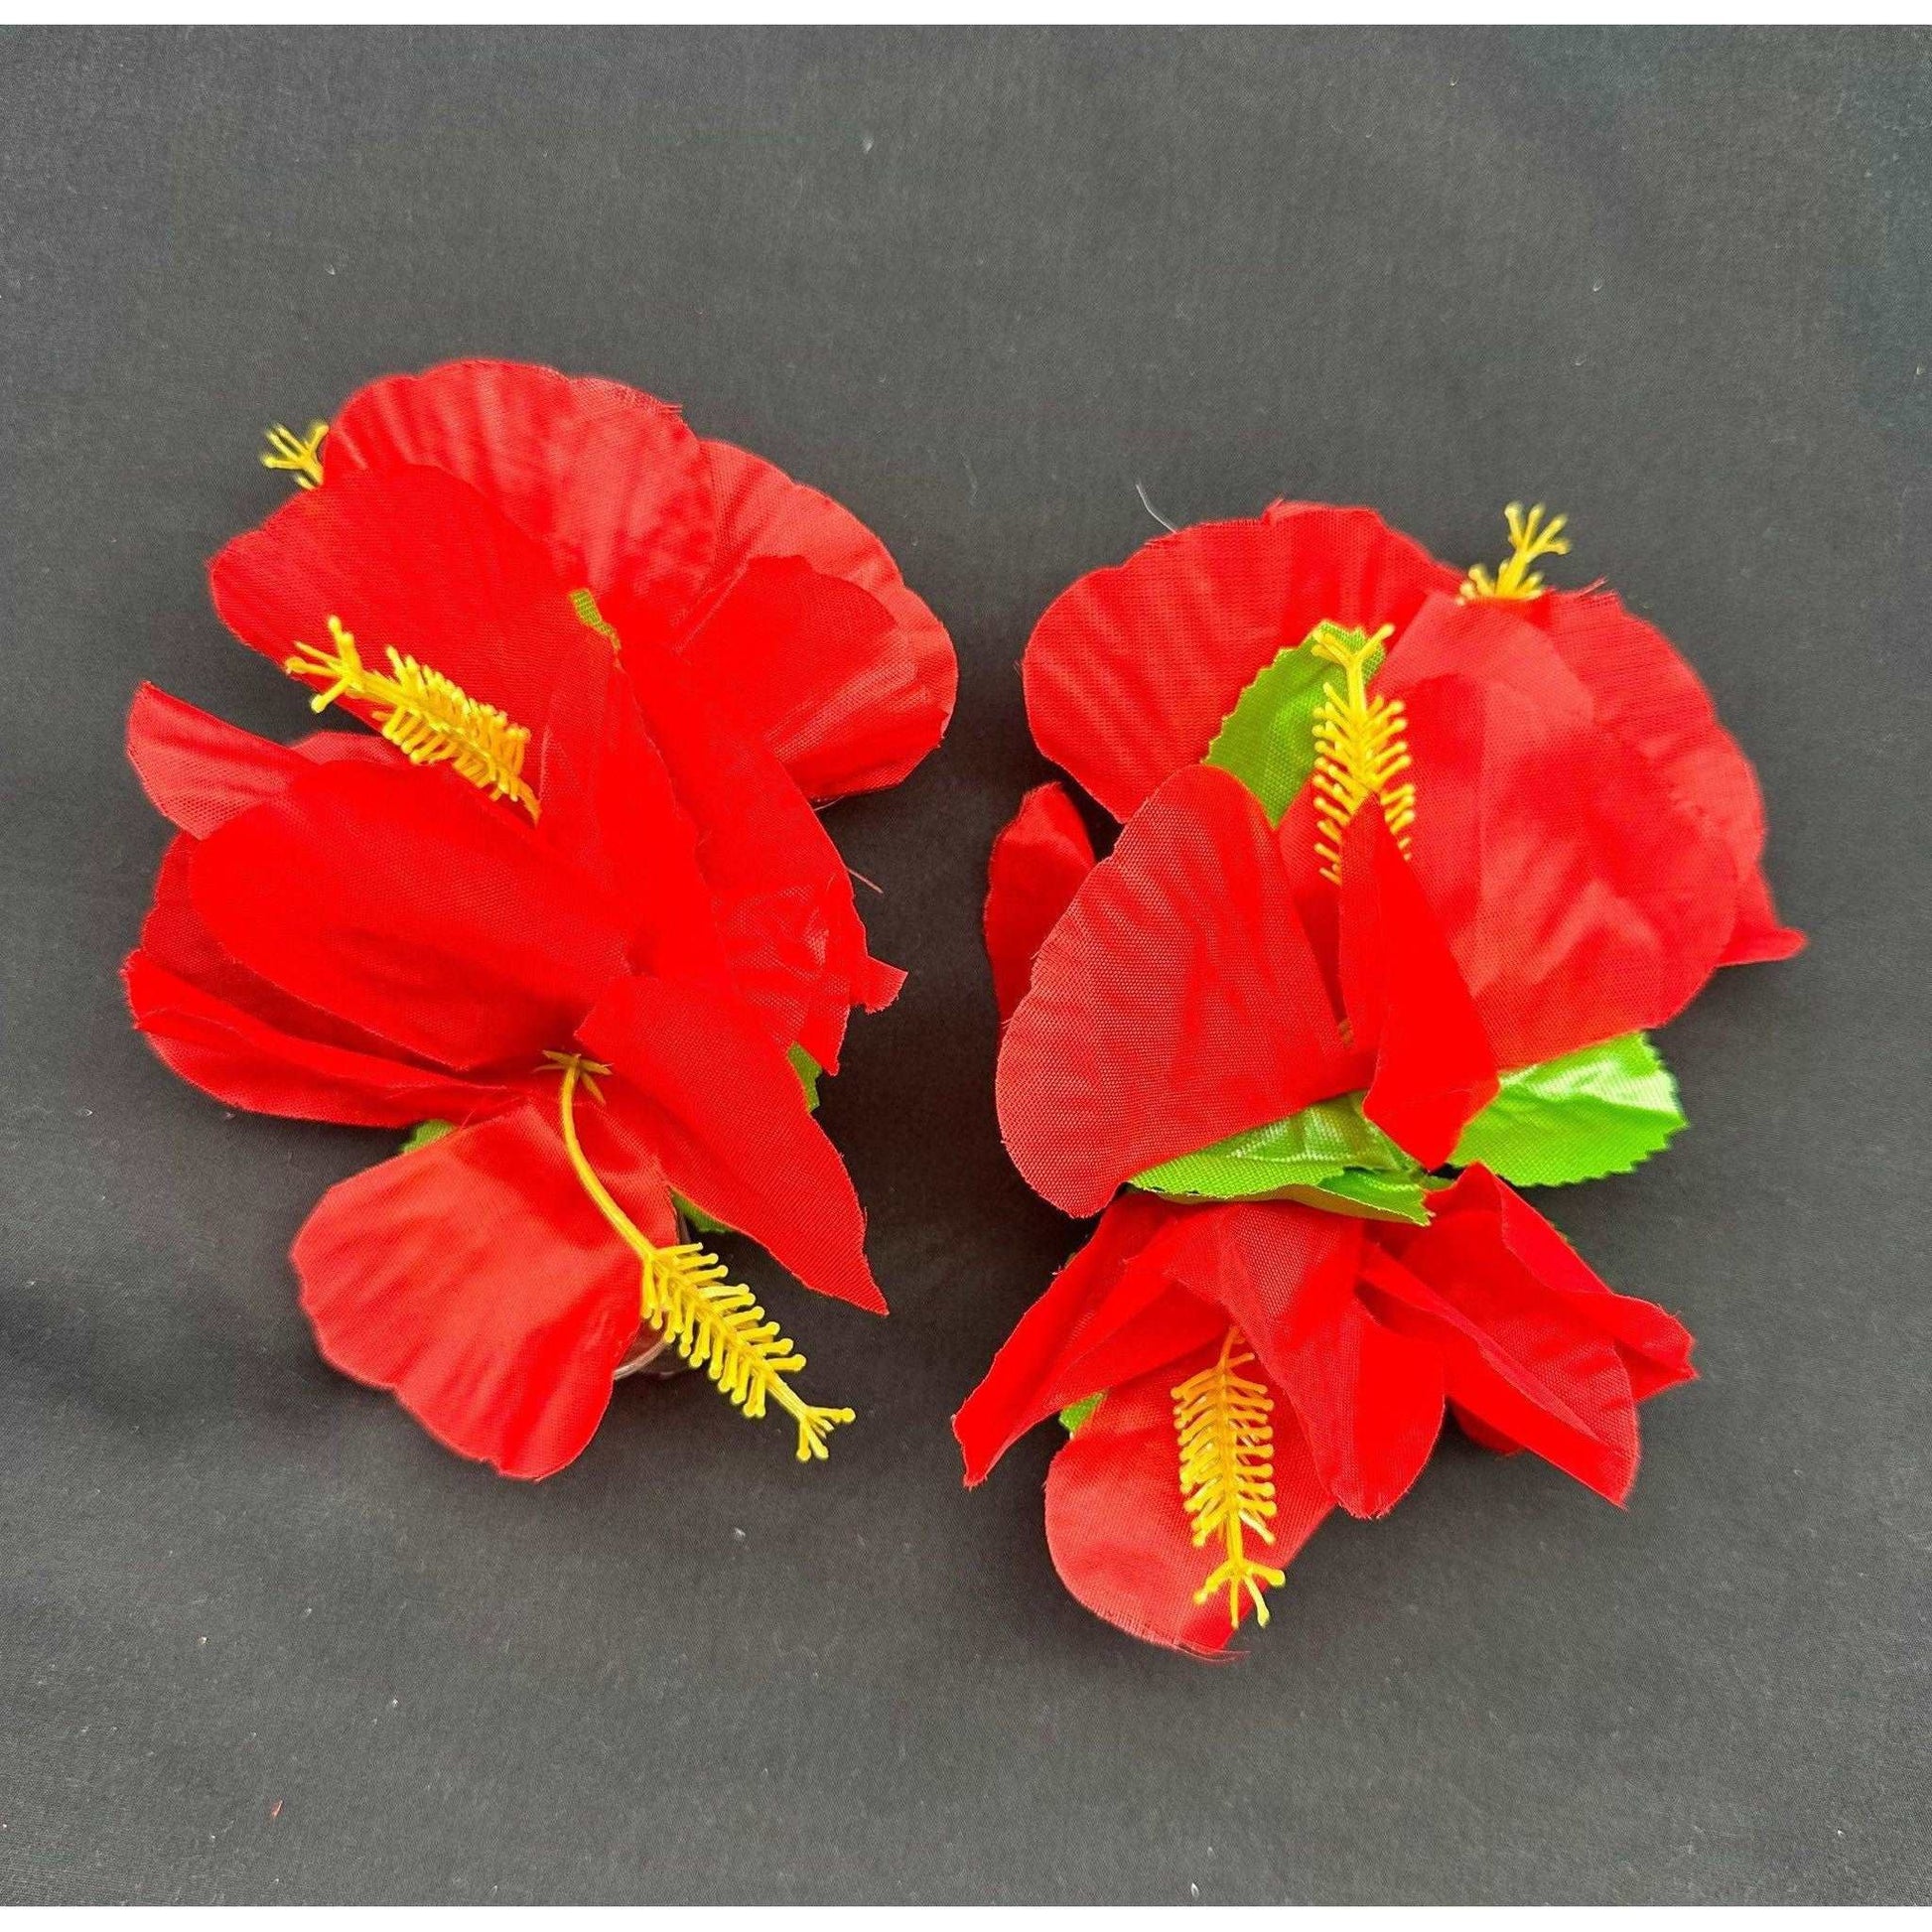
column 1300, row 1150
column 428, row 1131
column 808, row 1070
column 1268, row 740
column 584, row 604
column 1075, row 1413
column 1579, row 1117
column 1368, row 1196
column 700, row 1222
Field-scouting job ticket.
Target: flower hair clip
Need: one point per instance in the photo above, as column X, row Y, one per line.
column 556, row 898
column 1410, row 861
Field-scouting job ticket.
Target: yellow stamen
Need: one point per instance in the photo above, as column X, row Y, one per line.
column 299, row 456
column 425, row 716
column 688, row 1301
column 1529, row 539
column 1227, row 1473
column 1359, row 749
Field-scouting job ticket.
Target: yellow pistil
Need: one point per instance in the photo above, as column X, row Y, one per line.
column 688, row 1300
column 425, row 716
column 299, row 456
column 1227, row 1472
column 1359, row 750
column 1529, row 539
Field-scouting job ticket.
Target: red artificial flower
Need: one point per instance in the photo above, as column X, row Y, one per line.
column 1259, row 1364
column 778, row 601
column 1398, row 844
column 1117, row 704
column 564, row 902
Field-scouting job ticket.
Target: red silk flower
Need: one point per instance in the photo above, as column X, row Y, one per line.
column 1410, row 861
column 570, row 905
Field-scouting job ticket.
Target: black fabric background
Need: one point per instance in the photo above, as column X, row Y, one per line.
column 261, row 1640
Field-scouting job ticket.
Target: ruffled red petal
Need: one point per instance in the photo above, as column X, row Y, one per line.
column 1175, row 1003
column 781, row 894
column 1132, row 670
column 705, row 1088
column 1580, row 900
column 608, row 479
column 887, row 704
column 200, row 770
column 817, row 670
column 1119, row 1536
column 243, row 1061
column 410, row 904
column 474, row 1278
column 1108, row 1284
column 1406, row 1001
column 1647, row 695
column 1039, row 863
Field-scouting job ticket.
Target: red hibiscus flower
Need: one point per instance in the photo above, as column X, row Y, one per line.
column 776, row 600
column 1410, row 863
column 566, row 903
column 1258, row 1363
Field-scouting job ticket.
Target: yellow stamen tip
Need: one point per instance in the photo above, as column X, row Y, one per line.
column 1226, row 1441
column 1530, row 537
column 299, row 456
column 1361, row 752
column 688, row 1296
column 426, row 716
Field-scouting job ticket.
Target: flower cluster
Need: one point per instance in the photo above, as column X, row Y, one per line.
column 1409, row 861
column 565, row 907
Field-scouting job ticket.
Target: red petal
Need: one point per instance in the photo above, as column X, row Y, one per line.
column 1369, row 1400
column 416, row 560
column 1119, row 1536
column 200, row 770
column 1579, row 899
column 474, row 1279
column 246, row 1063
column 781, row 894
column 1037, row 865
column 1758, row 935
column 608, row 477
column 1175, row 1003
column 718, row 1102
column 1526, row 1371
column 817, row 670
column 1120, row 1265
column 609, row 804
column 1406, row 1000
column 761, row 513
column 1132, row 670
column 1648, row 696
column 1482, row 1212
column 413, row 907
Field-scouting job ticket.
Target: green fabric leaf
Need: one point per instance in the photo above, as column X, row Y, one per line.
column 426, row 1132
column 698, row 1220
column 1368, row 1196
column 1579, row 1117
column 584, row 604
column 1303, row 1150
column 1268, row 740
column 1075, row 1413
column 808, row 1070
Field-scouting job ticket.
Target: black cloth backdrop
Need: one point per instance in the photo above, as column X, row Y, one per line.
column 261, row 1640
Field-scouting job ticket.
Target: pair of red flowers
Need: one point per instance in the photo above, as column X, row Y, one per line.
column 1410, row 859
column 569, row 900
